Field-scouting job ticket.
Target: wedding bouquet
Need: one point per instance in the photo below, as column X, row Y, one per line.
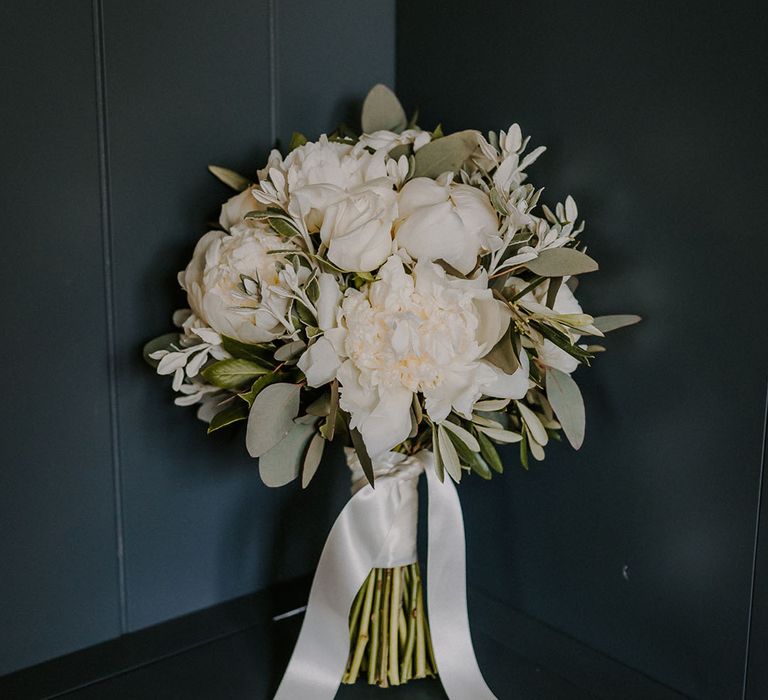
column 402, row 291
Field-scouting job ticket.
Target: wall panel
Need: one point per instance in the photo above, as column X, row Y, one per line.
column 655, row 123
column 59, row 581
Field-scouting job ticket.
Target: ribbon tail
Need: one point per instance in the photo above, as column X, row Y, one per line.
column 447, row 594
column 350, row 552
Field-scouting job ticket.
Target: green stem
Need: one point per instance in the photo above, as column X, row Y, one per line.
column 394, row 623
column 384, row 665
column 389, row 632
column 362, row 639
column 373, row 649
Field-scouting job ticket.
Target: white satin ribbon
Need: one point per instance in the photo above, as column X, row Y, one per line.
column 377, row 528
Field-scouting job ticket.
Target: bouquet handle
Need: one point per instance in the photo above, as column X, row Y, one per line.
column 361, row 539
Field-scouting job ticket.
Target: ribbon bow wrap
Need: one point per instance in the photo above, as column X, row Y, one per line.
column 377, row 529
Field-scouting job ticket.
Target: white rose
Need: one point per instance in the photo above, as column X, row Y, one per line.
column 447, row 221
column 230, row 283
column 235, row 208
column 358, row 227
column 423, row 332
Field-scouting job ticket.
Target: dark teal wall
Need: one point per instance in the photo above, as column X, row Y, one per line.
column 116, row 510
column 654, row 115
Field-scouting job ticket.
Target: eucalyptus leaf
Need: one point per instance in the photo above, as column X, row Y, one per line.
column 611, row 323
column 290, row 350
column 258, row 386
column 561, row 262
column 229, row 177
column 447, row 154
column 382, row 111
column 312, row 459
column 163, row 342
column 568, row 405
column 231, row 414
column 282, row 463
column 229, row 374
column 271, row 417
column 403, row 149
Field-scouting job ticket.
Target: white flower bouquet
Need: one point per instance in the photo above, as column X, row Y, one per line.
column 402, row 291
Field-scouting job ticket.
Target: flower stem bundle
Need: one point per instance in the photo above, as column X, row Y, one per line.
column 389, row 635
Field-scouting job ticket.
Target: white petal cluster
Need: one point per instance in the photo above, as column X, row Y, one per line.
column 424, row 332
column 233, row 283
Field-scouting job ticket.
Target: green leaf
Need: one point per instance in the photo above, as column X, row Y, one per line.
column 231, row 414
column 163, row 342
column 468, row 457
column 297, row 139
column 498, row 203
column 282, row 227
column 500, row 434
column 561, row 262
column 463, row 435
column 439, row 468
column 312, row 459
column 229, row 177
column 262, row 354
column 258, row 386
column 271, row 417
column 568, row 405
column 532, row 423
column 229, row 374
column 403, row 149
column 562, row 341
column 362, row 454
column 552, row 290
column 489, row 452
column 611, row 323
column 382, row 111
column 448, row 454
column 328, row 429
column 503, row 355
column 282, row 463
column 447, row 154
column 524, row 451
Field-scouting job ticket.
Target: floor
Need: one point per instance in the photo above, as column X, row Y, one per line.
column 236, row 651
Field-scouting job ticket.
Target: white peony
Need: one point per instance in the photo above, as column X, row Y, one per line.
column 422, row 332
column 325, row 162
column 235, row 208
column 443, row 220
column 231, row 281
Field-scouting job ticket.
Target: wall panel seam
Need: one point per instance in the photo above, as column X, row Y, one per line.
column 755, row 551
column 273, row 74
column 109, row 298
